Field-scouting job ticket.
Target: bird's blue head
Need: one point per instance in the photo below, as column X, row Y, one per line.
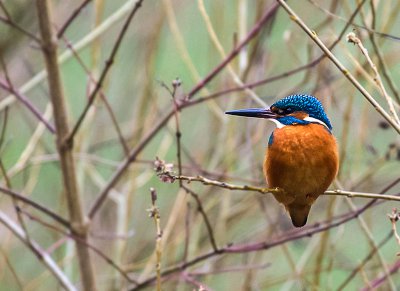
column 299, row 109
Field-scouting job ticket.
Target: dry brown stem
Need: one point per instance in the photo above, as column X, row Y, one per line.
column 79, row 222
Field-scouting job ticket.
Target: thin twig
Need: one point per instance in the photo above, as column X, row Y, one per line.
column 8, row 20
column 187, row 233
column 25, row 101
column 8, row 86
column 72, row 17
column 106, row 69
column 351, row 37
column 37, row 206
column 205, row 217
column 178, row 134
column 351, row 194
column 155, row 214
column 206, row 181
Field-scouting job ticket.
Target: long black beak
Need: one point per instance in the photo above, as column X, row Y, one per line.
column 254, row 112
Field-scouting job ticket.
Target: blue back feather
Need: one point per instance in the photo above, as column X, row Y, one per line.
column 271, row 139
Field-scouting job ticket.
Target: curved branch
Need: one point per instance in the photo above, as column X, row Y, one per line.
column 37, row 206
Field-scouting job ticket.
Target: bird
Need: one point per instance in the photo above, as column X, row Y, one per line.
column 301, row 159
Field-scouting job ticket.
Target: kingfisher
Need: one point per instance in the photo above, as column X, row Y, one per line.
column 302, row 158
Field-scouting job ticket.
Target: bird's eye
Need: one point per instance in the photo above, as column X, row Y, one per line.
column 282, row 111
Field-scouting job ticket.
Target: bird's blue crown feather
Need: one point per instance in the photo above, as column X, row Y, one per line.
column 305, row 103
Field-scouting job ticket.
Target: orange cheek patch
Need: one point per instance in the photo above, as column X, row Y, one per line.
column 299, row 115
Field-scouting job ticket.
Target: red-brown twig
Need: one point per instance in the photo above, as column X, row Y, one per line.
column 72, row 17
column 37, row 206
column 25, row 101
column 8, row 86
column 380, row 280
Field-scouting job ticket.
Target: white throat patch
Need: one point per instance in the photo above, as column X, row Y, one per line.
column 278, row 124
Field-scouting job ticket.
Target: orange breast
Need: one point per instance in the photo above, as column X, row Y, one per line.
column 303, row 161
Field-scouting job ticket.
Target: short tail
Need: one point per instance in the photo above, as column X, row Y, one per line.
column 298, row 214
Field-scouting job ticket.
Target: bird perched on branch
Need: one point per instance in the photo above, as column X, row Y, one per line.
column 302, row 156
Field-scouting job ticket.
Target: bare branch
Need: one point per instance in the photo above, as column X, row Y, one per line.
column 25, row 101
column 36, row 205
column 65, row 150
